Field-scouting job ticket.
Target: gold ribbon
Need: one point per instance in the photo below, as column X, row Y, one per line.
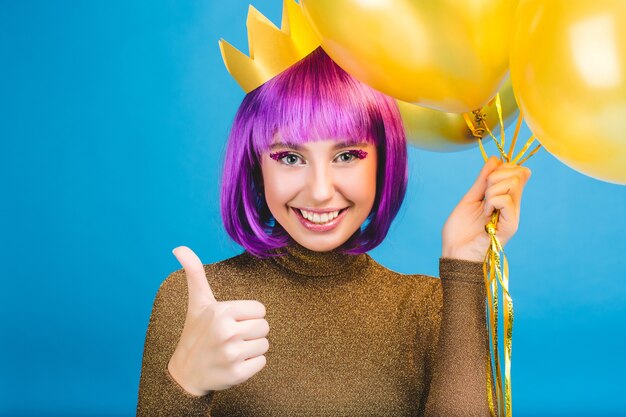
column 496, row 270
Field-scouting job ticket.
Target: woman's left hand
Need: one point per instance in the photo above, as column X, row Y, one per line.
column 499, row 186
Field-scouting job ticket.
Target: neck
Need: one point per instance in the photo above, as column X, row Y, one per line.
column 304, row 261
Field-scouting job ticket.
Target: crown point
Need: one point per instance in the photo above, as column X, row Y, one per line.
column 255, row 15
column 271, row 50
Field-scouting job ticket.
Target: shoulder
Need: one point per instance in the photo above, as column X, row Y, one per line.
column 420, row 285
column 416, row 279
column 420, row 293
column 218, row 274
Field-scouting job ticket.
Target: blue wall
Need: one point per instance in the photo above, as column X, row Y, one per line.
column 113, row 119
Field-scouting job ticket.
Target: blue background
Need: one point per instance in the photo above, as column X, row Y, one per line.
column 113, row 120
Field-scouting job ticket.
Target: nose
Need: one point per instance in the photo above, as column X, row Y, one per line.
column 321, row 183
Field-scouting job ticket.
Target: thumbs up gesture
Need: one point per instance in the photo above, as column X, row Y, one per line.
column 222, row 342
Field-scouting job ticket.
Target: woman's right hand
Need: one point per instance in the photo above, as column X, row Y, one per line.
column 222, row 343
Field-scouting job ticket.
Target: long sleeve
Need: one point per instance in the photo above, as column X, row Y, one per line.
column 461, row 361
column 159, row 393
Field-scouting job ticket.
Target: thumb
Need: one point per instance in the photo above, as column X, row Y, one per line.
column 478, row 189
column 200, row 292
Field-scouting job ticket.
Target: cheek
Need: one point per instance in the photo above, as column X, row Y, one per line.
column 279, row 188
column 371, row 181
column 360, row 185
column 368, row 180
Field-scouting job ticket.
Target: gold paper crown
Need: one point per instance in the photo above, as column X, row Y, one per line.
column 271, row 50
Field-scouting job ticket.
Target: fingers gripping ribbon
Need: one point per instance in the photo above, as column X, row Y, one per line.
column 496, row 270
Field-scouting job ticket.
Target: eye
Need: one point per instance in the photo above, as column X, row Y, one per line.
column 352, row 154
column 284, row 157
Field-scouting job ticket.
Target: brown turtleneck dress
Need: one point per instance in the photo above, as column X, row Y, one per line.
column 348, row 337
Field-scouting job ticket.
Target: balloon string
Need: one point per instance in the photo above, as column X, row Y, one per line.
column 524, row 149
column 499, row 145
column 517, row 127
column 534, row 151
column 499, row 108
column 496, row 270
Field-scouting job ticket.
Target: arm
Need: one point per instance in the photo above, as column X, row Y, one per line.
column 159, row 393
column 461, row 361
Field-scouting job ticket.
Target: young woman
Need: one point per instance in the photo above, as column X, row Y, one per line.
column 304, row 322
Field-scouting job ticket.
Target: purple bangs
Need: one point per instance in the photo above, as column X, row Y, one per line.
column 312, row 100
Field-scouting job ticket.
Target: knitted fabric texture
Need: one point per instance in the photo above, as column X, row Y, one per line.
column 348, row 337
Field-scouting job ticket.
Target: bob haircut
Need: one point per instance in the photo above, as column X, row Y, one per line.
column 313, row 99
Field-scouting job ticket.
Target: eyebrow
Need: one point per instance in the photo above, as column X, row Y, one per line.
column 299, row 148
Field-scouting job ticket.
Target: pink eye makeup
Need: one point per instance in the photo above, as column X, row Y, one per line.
column 358, row 153
column 279, row 155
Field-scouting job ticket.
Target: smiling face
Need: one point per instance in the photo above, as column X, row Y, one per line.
column 307, row 185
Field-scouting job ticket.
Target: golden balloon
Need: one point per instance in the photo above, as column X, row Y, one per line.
column 568, row 67
column 438, row 131
column 448, row 55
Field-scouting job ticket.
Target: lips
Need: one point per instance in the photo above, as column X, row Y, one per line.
column 330, row 210
column 320, row 227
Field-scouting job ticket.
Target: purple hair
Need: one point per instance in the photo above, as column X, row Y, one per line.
column 312, row 100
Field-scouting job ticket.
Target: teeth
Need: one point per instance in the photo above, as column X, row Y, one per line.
column 320, row 219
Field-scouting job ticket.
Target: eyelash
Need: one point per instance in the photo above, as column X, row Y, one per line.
column 357, row 153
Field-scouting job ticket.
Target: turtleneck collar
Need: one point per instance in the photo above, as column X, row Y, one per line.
column 304, row 261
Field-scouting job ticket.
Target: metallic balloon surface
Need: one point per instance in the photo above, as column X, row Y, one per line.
column 449, row 55
column 568, row 67
column 438, row 131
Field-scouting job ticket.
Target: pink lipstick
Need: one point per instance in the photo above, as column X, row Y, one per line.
column 320, row 227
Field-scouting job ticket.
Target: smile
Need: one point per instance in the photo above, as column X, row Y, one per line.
column 317, row 223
